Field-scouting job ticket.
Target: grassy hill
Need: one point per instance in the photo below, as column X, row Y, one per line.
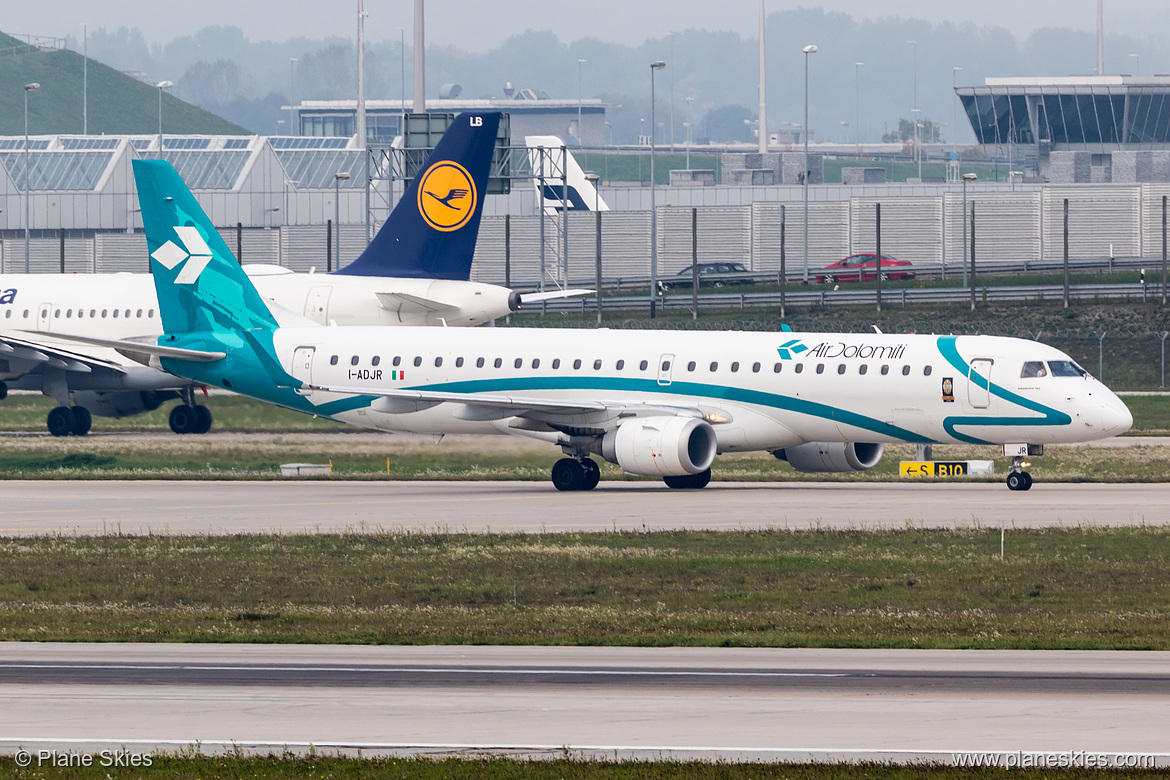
column 117, row 103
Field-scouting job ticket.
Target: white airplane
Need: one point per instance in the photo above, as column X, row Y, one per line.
column 661, row 403
column 414, row 272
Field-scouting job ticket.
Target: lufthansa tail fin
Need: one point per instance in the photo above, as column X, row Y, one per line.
column 200, row 286
column 431, row 233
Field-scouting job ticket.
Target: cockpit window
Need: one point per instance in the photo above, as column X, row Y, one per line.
column 1066, row 368
column 1033, row 368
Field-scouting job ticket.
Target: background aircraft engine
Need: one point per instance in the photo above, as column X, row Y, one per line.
column 125, row 404
column 661, row 446
column 832, row 456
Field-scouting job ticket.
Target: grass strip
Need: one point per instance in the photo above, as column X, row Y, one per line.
column 378, row 457
column 315, row 766
column 1073, row 588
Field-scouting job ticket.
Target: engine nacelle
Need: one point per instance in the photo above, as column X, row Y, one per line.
column 661, row 446
column 125, row 404
column 818, row 457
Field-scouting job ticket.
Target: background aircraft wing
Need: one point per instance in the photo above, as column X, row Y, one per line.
column 46, row 350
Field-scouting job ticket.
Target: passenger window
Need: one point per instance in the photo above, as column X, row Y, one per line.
column 556, row 363
column 1033, row 368
column 333, row 360
column 149, row 314
column 81, row 314
column 8, row 314
column 577, row 363
column 69, row 314
column 104, row 313
column 926, row 371
column 643, row 366
column 734, row 367
column 377, row 359
column 139, row 314
column 800, row 368
column 417, row 361
column 353, row 361
column 691, row 366
column 396, row 361
column 536, row 362
column 776, row 368
column 498, row 362
column 665, row 365
column 115, row 314
column 840, row 368
column 518, row 362
column 127, row 314
column 862, row 369
column 458, row 362
column 57, row 314
column 596, row 365
column 905, row 370
column 26, row 314
column 885, row 370
column 714, row 366
column 621, row 364
column 92, row 313
column 438, row 362
column 479, row 362
column 820, row 368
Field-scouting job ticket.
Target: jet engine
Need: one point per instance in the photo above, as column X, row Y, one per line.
column 661, row 446
column 832, row 456
column 124, row 404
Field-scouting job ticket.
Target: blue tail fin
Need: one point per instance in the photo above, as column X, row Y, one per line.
column 431, row 233
column 200, row 286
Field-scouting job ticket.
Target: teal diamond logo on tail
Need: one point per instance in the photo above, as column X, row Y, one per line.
column 790, row 349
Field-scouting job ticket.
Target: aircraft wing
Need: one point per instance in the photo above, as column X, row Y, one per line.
column 554, row 411
column 51, row 352
column 130, row 348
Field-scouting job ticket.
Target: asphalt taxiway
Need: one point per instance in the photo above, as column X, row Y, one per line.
column 753, row 704
column 94, row 507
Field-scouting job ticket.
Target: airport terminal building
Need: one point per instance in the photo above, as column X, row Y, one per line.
column 1076, row 129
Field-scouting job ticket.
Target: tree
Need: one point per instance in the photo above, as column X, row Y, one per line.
column 930, row 132
column 727, row 124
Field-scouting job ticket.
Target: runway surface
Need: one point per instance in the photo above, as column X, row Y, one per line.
column 38, row 507
column 755, row 704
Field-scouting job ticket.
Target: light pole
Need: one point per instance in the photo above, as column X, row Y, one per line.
column 966, row 178
column 917, row 154
column 595, row 180
column 27, row 173
column 688, row 127
column 402, row 80
column 844, row 132
column 916, row 114
column 338, row 178
column 810, row 49
column 580, row 140
column 161, row 86
column 292, row 88
column 657, row 65
column 857, row 108
column 955, row 111
column 671, row 95
column 1137, row 64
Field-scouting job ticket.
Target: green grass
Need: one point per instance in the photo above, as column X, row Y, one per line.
column 314, row 766
column 117, row 103
column 1074, row 588
column 900, row 170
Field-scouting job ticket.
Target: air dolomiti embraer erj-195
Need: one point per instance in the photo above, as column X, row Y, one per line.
column 414, row 272
column 657, row 403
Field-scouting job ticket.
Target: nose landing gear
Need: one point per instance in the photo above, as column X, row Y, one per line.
column 1017, row 478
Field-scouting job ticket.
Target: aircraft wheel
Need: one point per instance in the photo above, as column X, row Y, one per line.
column 1017, row 480
column 1027, row 481
column 3, row 390
column 568, row 474
column 183, row 419
column 700, row 480
column 592, row 474
column 61, row 421
column 202, row 419
column 82, row 420
column 688, row 481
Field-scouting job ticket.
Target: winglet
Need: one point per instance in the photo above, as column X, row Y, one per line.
column 431, row 233
column 200, row 285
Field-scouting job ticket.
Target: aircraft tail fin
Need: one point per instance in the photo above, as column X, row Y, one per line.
column 431, row 233
column 200, row 285
column 563, row 180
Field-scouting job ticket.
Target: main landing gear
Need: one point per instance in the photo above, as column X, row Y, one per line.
column 70, row 421
column 576, row 474
column 190, row 417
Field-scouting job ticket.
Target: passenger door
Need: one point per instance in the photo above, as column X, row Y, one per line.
column 302, row 367
column 979, row 390
column 45, row 317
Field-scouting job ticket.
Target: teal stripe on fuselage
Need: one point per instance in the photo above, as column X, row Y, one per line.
column 950, row 352
column 691, row 389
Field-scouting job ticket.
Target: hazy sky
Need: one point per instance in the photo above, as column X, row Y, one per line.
column 477, row 25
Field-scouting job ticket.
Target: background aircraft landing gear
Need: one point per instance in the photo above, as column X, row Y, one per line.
column 1017, row 478
column 82, row 420
column 3, row 390
column 573, row 474
column 689, row 481
column 69, row 420
column 186, row 418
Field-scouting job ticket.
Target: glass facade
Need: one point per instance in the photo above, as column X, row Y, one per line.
column 1069, row 115
column 57, row 170
column 314, row 169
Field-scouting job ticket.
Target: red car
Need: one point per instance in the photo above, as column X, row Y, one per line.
column 861, row 268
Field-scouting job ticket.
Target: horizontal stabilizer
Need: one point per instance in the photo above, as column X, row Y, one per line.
column 397, row 301
column 537, row 297
column 154, row 350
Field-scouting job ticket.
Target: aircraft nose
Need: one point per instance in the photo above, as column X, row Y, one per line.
column 1115, row 417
